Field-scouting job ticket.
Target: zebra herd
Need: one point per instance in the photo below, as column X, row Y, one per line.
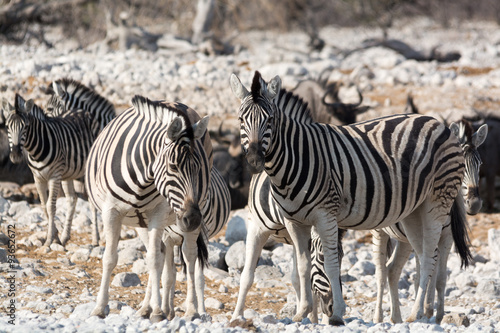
column 151, row 167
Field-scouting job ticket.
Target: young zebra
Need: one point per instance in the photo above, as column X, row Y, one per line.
column 67, row 94
column 149, row 168
column 266, row 221
column 469, row 142
column 57, row 151
column 215, row 214
column 329, row 176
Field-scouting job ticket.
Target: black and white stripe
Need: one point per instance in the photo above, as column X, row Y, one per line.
column 215, row 211
column 148, row 169
column 469, row 141
column 68, row 94
column 363, row 176
column 57, row 152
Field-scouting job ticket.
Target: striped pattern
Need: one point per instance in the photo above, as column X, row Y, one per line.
column 363, row 176
column 68, row 94
column 469, row 142
column 148, row 169
column 57, row 152
column 215, row 211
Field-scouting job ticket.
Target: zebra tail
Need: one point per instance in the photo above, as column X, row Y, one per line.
column 460, row 231
column 202, row 249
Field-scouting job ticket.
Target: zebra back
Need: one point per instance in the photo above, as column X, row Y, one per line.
column 68, row 94
column 150, row 152
column 54, row 145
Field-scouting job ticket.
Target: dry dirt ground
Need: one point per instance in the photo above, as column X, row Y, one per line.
column 387, row 99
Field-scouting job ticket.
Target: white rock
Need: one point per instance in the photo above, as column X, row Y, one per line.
column 494, row 244
column 126, row 279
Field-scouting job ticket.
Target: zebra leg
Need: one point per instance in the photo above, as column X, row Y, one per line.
column 380, row 241
column 145, row 310
column 190, row 252
column 69, row 192
column 394, row 268
column 423, row 232
column 301, row 235
column 168, row 280
column 155, row 260
column 200, row 291
column 112, row 222
column 444, row 249
column 328, row 231
column 95, row 225
column 42, row 189
column 52, row 236
column 256, row 238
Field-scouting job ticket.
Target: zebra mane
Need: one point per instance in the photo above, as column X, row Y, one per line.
column 293, row 107
column 161, row 112
column 465, row 131
column 70, row 86
column 25, row 107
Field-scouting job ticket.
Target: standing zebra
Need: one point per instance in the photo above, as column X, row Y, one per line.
column 215, row 211
column 267, row 221
column 149, row 169
column 57, row 151
column 469, row 141
column 329, row 176
column 67, row 94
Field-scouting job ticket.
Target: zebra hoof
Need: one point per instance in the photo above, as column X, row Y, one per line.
column 191, row 317
column 336, row 321
column 144, row 312
column 156, row 318
column 101, row 313
column 206, row 318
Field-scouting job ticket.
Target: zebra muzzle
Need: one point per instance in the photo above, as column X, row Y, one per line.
column 255, row 158
column 16, row 154
column 190, row 219
column 473, row 203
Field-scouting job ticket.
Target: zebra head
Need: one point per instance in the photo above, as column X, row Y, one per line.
column 55, row 106
column 16, row 120
column 181, row 171
column 256, row 116
column 470, row 141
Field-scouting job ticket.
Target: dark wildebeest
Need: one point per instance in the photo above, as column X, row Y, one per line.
column 325, row 104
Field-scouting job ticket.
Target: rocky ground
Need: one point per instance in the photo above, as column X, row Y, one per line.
column 56, row 290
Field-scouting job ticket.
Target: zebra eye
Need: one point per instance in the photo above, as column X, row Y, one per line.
column 173, row 167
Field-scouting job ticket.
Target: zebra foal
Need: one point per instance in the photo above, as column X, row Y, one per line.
column 57, row 151
column 148, row 168
column 330, row 176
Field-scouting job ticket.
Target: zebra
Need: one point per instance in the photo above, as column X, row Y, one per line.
column 67, row 94
column 330, row 176
column 215, row 213
column 469, row 141
column 266, row 221
column 149, row 168
column 57, row 151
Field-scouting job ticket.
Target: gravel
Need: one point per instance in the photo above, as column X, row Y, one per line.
column 201, row 81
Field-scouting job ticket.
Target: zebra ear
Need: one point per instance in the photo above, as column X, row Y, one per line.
column 29, row 105
column 238, row 89
column 174, row 130
column 200, row 127
column 273, row 87
column 455, row 130
column 20, row 104
column 480, row 135
column 58, row 90
column 7, row 109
